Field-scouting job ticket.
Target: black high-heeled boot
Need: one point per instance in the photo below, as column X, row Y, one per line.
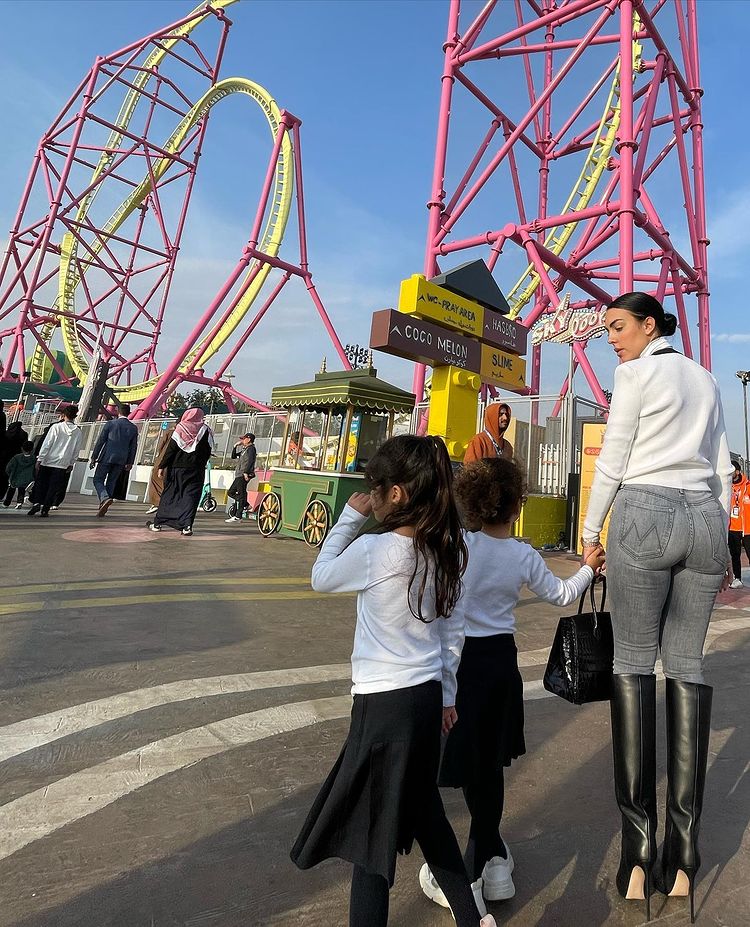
column 688, row 732
column 633, row 707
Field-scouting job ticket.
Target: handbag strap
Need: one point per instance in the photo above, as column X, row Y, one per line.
column 598, row 579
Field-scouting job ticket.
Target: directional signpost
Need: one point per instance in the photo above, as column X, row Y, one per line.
column 466, row 343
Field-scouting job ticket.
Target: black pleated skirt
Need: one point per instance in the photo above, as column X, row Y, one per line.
column 489, row 732
column 364, row 813
column 180, row 498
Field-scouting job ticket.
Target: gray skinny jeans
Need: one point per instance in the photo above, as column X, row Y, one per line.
column 666, row 556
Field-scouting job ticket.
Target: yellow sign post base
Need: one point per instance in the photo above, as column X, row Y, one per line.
column 453, row 408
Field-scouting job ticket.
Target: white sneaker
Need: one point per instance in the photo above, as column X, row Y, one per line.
column 496, row 876
column 488, row 921
column 19, row 505
column 736, row 583
column 429, row 886
column 231, row 519
column 152, row 510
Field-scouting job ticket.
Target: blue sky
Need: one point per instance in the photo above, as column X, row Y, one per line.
column 364, row 77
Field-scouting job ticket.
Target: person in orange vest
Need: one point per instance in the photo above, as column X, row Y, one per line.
column 739, row 523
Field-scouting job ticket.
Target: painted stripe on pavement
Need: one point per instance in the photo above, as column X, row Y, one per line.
column 205, row 580
column 35, row 732
column 31, row 733
column 46, row 810
column 198, row 595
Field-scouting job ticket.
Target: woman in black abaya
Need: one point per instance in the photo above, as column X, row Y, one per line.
column 183, row 468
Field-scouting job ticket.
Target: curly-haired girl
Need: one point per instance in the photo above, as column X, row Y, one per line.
column 486, row 723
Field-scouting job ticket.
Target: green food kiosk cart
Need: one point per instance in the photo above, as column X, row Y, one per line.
column 334, row 425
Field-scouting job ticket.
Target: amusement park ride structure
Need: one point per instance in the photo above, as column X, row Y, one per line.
column 94, row 245
column 628, row 132
column 605, row 98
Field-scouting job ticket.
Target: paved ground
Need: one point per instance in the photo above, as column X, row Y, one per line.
column 169, row 707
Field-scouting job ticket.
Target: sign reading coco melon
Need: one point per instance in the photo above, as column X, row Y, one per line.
column 420, row 341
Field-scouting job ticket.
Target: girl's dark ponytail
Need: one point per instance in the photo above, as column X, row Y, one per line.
column 423, row 468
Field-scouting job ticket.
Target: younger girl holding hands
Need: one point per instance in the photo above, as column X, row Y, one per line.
column 488, row 732
column 382, row 793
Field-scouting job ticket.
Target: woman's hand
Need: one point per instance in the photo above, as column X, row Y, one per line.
column 160, row 473
column 450, row 717
column 361, row 502
column 594, row 557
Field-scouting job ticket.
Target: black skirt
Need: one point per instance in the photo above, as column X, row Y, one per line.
column 180, row 498
column 364, row 813
column 489, row 732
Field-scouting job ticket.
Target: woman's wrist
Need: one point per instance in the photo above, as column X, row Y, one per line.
column 592, row 541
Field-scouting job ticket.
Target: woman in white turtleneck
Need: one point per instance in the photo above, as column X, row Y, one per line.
column 665, row 472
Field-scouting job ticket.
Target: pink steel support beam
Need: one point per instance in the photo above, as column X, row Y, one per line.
column 626, row 147
column 618, row 226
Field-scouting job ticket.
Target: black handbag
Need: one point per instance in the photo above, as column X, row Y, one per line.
column 579, row 668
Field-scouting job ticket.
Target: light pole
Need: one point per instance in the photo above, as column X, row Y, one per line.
column 744, row 378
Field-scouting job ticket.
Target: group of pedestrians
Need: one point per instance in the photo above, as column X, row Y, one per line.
column 434, row 649
column 177, row 480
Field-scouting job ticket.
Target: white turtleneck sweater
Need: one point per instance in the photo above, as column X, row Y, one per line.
column 665, row 428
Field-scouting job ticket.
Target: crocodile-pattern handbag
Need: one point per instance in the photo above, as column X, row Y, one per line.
column 579, row 668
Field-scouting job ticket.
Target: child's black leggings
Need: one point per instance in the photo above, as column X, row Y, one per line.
column 484, row 799
column 369, row 896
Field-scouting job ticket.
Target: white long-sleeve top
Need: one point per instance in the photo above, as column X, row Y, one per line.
column 392, row 648
column 60, row 448
column 665, row 428
column 498, row 570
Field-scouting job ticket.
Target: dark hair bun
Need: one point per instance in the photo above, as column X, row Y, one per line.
column 669, row 326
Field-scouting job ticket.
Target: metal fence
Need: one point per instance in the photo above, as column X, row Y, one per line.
column 545, row 433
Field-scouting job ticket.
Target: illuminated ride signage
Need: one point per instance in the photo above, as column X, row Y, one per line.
column 567, row 325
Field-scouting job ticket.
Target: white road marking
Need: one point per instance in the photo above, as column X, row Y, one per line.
column 47, row 809
column 35, row 732
column 44, row 729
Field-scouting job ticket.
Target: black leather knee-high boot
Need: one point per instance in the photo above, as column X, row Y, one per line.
column 688, row 731
column 633, row 708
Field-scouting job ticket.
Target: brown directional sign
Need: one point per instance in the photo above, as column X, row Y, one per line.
column 420, row 341
column 504, row 333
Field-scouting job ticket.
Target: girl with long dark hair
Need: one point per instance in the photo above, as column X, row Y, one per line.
column 382, row 793
column 664, row 471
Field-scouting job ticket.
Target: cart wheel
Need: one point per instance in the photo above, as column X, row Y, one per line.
column 315, row 523
column 209, row 504
column 269, row 514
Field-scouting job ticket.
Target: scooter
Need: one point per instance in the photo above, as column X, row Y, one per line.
column 207, row 502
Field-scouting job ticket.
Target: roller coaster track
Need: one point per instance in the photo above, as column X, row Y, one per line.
column 585, row 187
column 72, row 266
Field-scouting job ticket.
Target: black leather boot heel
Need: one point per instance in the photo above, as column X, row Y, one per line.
column 633, row 709
column 688, row 732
